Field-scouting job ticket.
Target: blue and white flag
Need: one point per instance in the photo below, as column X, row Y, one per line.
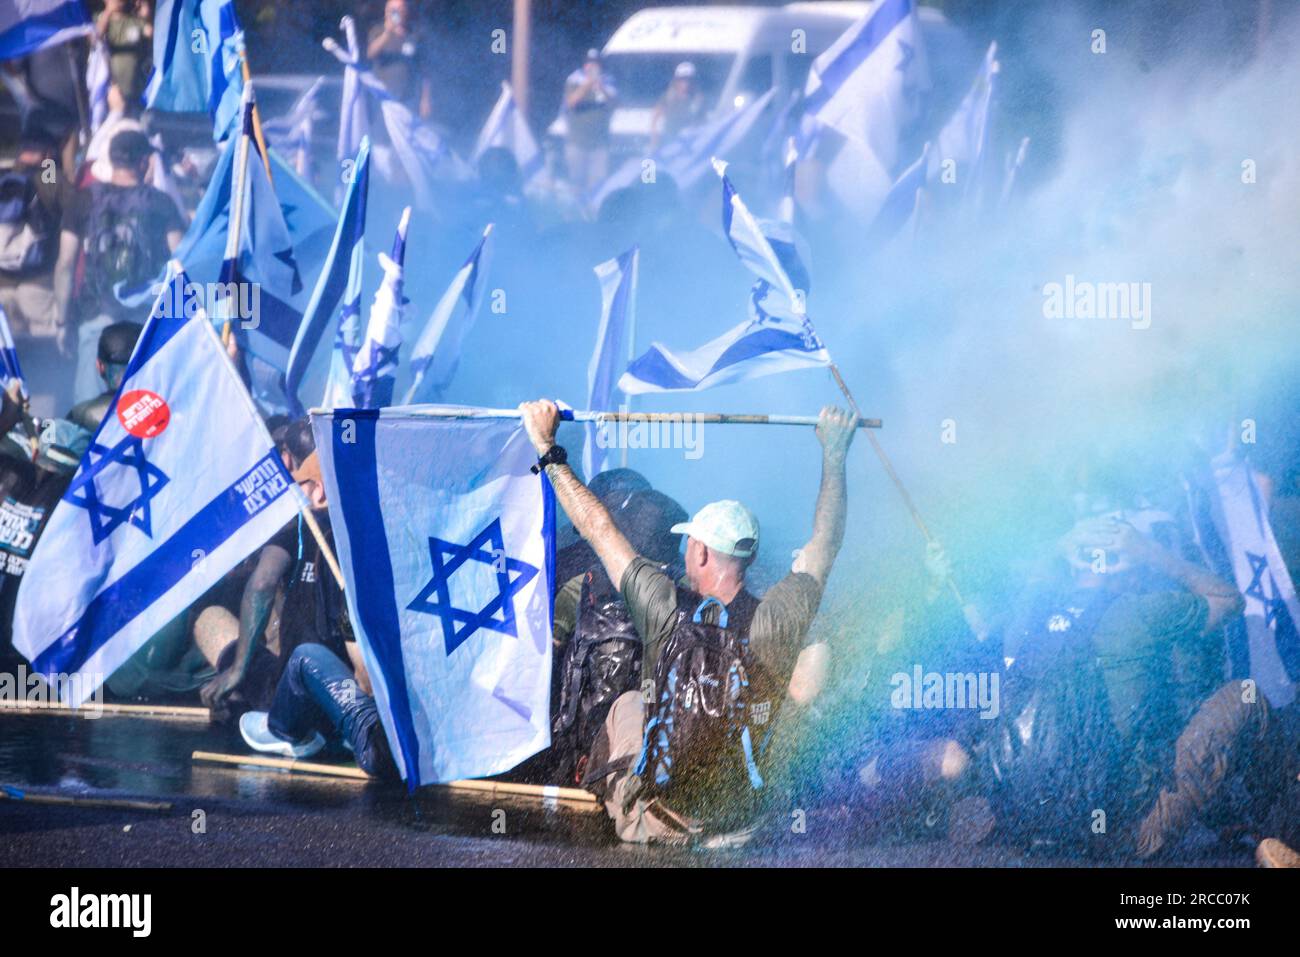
column 446, row 539
column 686, row 157
column 964, row 138
column 778, row 336
column 866, row 91
column 10, row 370
column 292, row 133
column 613, row 337
column 339, row 281
column 900, row 211
column 180, row 483
column 354, row 118
column 1271, row 612
column 97, row 83
column 424, row 158
column 30, row 25
column 198, row 51
column 375, row 367
column 507, row 128
column 437, row 351
column 1013, row 164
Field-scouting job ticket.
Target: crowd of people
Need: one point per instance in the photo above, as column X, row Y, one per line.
column 1114, row 718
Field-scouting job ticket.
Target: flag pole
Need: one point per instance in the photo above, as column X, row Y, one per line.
column 571, row 415
column 631, row 337
column 235, row 229
column 893, row 476
column 319, row 534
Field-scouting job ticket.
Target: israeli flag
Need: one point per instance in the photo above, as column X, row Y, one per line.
column 30, row 25
column 375, row 366
column 1272, row 612
column 617, row 327
column 861, row 96
column 339, row 280
column 963, row 140
column 778, row 336
column 867, row 84
column 437, row 351
column 292, row 133
column 198, row 52
column 686, row 157
column 446, row 539
column 354, row 119
column 424, row 158
column 10, row 370
column 900, row 212
column 97, row 83
column 507, row 128
column 180, row 483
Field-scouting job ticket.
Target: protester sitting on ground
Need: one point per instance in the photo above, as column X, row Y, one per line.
column 598, row 654
column 908, row 770
column 33, row 489
column 127, row 231
column 116, row 343
column 689, row 629
column 323, row 693
column 31, row 209
column 1093, row 663
column 289, row 599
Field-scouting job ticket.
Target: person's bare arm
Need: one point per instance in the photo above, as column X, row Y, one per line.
column 835, row 430
column 174, row 239
column 589, row 516
column 254, row 612
column 69, row 246
column 1223, row 598
column 579, row 92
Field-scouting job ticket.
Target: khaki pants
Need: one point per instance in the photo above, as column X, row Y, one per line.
column 1226, row 736
column 637, row 820
column 31, row 306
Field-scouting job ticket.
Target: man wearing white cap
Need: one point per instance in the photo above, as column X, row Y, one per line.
column 777, row 663
column 679, row 108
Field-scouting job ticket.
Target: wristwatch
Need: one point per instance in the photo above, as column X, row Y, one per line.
column 555, row 455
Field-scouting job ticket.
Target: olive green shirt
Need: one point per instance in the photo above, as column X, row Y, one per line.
column 776, row 635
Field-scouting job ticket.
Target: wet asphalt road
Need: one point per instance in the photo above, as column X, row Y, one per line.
column 260, row 818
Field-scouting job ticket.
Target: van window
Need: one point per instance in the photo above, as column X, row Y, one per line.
column 641, row 78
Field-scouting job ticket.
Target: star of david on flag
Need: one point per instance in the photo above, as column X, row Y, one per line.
column 446, row 541
column 512, row 575
column 105, row 518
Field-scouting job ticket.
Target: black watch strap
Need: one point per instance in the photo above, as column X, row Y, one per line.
column 555, row 455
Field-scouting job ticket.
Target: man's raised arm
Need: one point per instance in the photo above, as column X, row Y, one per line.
column 585, row 510
column 835, row 430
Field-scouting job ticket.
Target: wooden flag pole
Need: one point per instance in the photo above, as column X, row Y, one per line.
column 706, row 418
column 893, row 476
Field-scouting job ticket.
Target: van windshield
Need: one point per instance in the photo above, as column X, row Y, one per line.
column 642, row 78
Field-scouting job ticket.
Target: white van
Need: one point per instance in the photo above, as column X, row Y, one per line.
column 739, row 54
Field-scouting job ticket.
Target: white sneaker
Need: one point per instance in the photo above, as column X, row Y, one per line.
column 259, row 736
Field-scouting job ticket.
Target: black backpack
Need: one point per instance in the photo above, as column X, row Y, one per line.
column 701, row 748
column 601, row 661
column 117, row 249
column 1055, row 754
column 29, row 241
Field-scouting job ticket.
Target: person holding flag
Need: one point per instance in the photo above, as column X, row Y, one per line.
column 179, row 484
column 656, row 786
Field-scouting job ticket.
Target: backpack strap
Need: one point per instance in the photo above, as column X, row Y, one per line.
column 699, row 611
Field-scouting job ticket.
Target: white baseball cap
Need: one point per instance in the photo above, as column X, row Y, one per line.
column 685, row 70
column 726, row 526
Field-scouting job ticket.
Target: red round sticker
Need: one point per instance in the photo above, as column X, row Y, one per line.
column 143, row 413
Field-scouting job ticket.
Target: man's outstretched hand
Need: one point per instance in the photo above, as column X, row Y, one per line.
column 541, row 420
column 835, row 429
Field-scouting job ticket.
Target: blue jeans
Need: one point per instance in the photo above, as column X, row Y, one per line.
column 318, row 692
